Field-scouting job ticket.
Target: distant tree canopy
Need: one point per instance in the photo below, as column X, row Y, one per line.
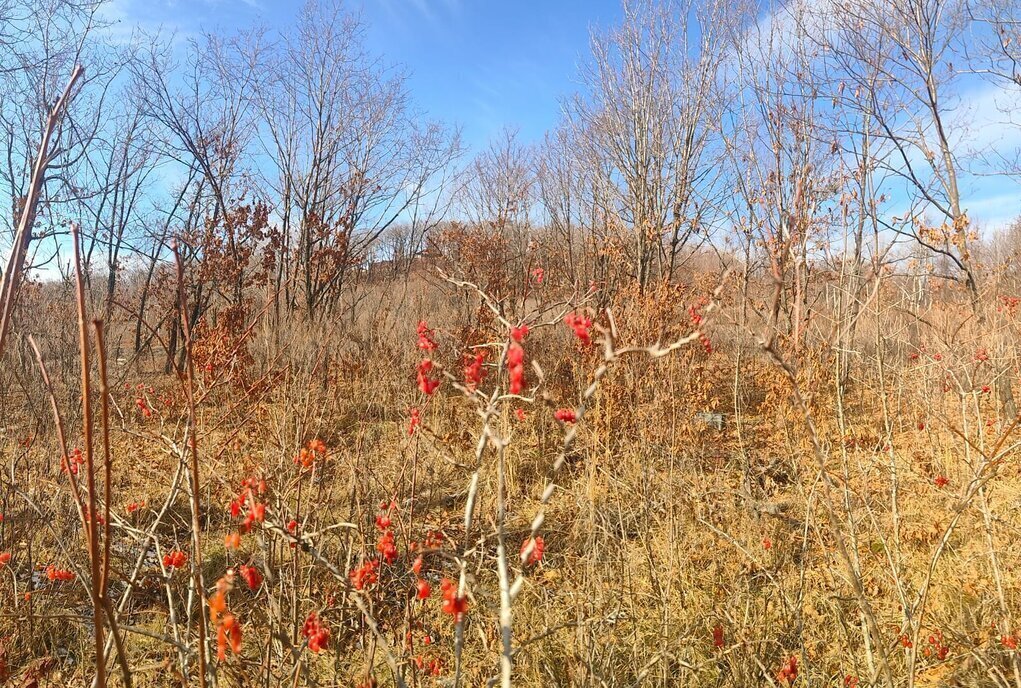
column 290, row 160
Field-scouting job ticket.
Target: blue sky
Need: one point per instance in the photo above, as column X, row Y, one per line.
column 490, row 63
column 483, row 64
column 487, row 64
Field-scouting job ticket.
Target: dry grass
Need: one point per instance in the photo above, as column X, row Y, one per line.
column 661, row 528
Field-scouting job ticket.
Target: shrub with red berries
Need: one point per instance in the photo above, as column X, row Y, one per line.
column 453, row 604
column 516, row 359
column 788, row 672
column 317, row 634
column 426, row 383
column 54, row 573
column 473, row 371
column 532, row 550
column 175, row 559
column 581, row 325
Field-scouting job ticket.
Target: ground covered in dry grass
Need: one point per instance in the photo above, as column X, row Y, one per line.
column 719, row 515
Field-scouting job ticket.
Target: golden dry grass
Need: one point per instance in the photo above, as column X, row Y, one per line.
column 661, row 527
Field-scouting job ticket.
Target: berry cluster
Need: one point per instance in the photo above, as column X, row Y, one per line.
column 87, row 514
column 55, row 574
column 581, row 325
column 936, row 647
column 696, row 317
column 434, row 667
column 426, row 383
column 73, row 462
column 788, row 673
column 365, row 575
column 251, row 490
column 516, row 359
column 425, row 337
column 453, row 604
column 317, row 634
column 228, row 630
column 1009, row 304
column 473, row 371
column 315, row 449
column 175, row 559
column 387, row 543
column 532, row 550
column 253, row 579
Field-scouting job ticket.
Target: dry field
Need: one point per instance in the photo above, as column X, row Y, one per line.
column 714, row 384
column 713, row 508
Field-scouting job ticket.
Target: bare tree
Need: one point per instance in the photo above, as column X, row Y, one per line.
column 898, row 59
column 500, row 190
column 994, row 45
column 202, row 111
column 781, row 171
column 559, row 184
column 46, row 124
column 350, row 156
column 651, row 110
column 117, row 186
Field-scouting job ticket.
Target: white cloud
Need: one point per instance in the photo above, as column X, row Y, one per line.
column 989, row 118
